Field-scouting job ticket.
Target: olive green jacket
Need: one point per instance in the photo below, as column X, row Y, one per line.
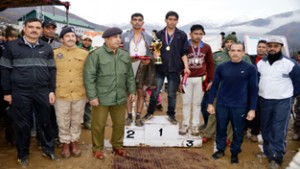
column 223, row 56
column 108, row 76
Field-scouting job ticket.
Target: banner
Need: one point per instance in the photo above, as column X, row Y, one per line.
column 252, row 40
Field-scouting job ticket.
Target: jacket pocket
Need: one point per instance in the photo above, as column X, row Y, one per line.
column 62, row 90
column 79, row 62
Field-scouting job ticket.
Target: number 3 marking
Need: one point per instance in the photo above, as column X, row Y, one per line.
column 189, row 143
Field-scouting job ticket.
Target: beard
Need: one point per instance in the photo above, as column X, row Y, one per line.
column 274, row 57
column 275, row 54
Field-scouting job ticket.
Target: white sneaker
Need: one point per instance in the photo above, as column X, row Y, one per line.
column 195, row 131
column 183, row 129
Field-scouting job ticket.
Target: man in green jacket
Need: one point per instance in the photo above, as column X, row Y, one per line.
column 109, row 82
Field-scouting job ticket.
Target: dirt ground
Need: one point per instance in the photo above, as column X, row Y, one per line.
column 87, row 161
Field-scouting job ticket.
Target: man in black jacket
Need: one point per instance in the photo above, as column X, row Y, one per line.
column 28, row 80
column 254, row 125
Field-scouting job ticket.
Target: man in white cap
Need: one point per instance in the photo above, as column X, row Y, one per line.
column 86, row 42
column 278, row 82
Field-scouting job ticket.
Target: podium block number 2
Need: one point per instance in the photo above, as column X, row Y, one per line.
column 130, row 134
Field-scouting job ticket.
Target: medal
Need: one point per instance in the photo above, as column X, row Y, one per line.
column 196, row 54
column 136, row 41
column 168, row 48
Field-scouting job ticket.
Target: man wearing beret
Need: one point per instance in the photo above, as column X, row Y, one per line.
column 109, row 82
column 70, row 92
column 278, row 82
column 28, row 81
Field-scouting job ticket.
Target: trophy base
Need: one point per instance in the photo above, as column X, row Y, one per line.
column 158, row 61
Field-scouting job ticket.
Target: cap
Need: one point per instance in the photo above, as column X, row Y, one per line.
column 66, row 30
column 49, row 22
column 275, row 40
column 111, row 32
column 86, row 36
column 230, row 37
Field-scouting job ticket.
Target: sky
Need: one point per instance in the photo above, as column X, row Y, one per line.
column 116, row 12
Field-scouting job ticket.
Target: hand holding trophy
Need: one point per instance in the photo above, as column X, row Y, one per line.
column 157, row 44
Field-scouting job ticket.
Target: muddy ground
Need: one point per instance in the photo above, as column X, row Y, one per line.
column 86, row 161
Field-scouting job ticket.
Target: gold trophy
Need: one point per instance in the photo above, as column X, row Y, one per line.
column 157, row 44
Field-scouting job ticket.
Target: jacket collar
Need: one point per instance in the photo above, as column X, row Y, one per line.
column 23, row 41
column 109, row 50
column 68, row 49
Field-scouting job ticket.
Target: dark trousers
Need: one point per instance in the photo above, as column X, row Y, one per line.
column 297, row 118
column 87, row 114
column 22, row 108
column 254, row 124
column 173, row 83
column 204, row 104
column 53, row 123
column 274, row 124
column 237, row 117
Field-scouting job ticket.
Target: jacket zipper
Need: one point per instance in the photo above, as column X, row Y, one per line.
column 116, row 58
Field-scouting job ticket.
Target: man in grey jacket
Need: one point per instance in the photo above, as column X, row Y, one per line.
column 138, row 44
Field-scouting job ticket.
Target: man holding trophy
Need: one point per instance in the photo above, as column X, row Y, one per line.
column 138, row 44
column 173, row 60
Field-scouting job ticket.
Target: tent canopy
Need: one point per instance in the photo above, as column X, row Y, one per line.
column 26, row 3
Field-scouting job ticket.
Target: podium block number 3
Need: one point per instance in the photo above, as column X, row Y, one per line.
column 130, row 134
column 189, row 143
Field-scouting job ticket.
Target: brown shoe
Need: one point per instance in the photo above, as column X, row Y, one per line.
column 99, row 155
column 205, row 140
column 120, row 151
column 65, row 150
column 75, row 150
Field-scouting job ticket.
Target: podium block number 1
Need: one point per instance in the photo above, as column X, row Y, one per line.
column 160, row 132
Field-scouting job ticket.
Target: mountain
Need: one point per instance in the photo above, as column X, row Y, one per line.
column 263, row 26
column 11, row 15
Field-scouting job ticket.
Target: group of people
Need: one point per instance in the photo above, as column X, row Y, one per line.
column 63, row 85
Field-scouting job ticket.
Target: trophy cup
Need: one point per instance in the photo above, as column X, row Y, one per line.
column 157, row 44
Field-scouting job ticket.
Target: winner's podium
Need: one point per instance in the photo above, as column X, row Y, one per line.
column 159, row 132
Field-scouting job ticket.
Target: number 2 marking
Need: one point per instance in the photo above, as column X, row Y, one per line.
column 130, row 134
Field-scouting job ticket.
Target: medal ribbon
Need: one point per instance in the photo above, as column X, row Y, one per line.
column 167, row 39
column 138, row 40
column 198, row 51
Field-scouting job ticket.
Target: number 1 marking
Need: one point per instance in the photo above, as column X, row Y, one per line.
column 160, row 132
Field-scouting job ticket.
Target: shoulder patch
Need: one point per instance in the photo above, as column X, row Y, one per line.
column 59, row 56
